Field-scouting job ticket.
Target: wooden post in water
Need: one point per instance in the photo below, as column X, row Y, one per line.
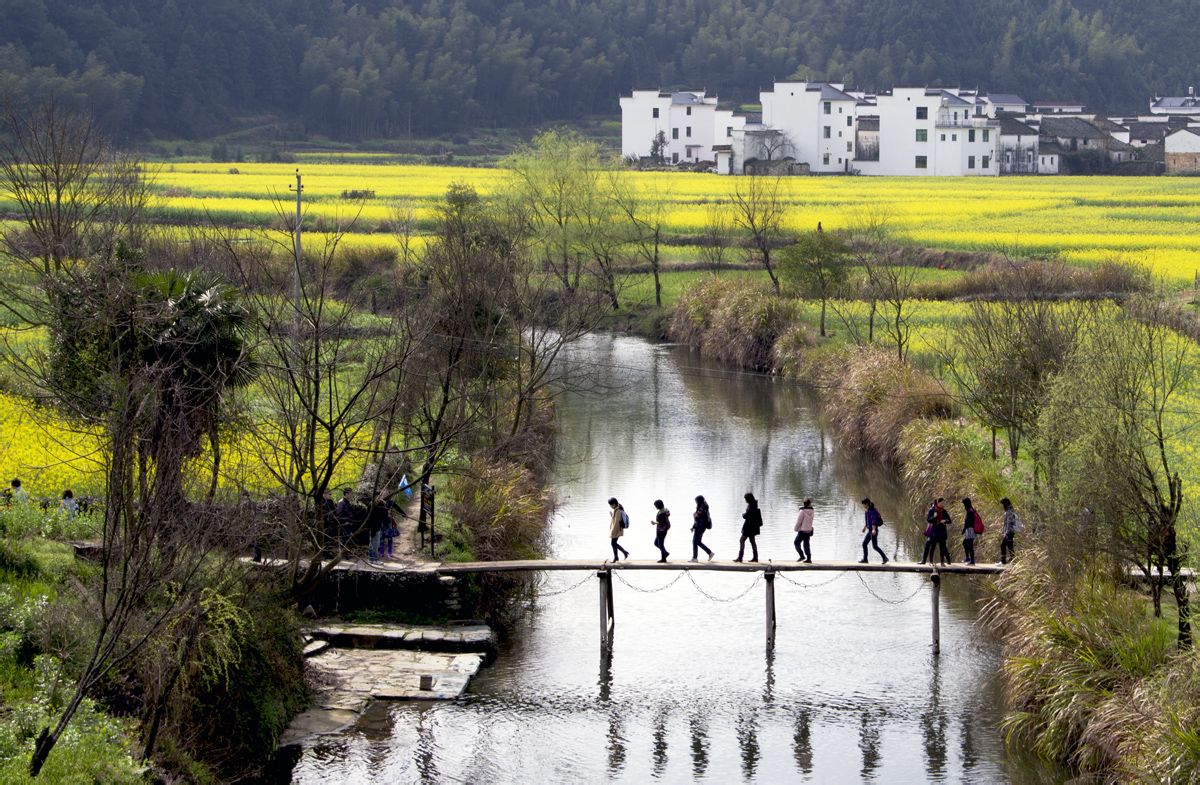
column 606, row 608
column 936, row 580
column 770, row 578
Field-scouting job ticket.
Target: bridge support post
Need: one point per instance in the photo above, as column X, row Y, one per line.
column 936, row 581
column 607, row 617
column 769, row 575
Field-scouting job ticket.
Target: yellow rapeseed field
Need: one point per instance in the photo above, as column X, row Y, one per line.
column 1153, row 220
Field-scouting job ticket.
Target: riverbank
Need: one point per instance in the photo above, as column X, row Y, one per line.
column 1071, row 660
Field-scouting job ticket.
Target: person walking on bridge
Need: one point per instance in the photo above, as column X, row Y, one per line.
column 701, row 522
column 1008, row 531
column 662, row 524
column 937, row 519
column 871, row 531
column 972, row 529
column 804, row 531
column 618, row 522
column 751, row 526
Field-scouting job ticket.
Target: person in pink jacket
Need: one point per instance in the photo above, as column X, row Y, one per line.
column 804, row 531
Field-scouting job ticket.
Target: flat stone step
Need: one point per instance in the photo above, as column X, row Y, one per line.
column 467, row 638
column 312, row 648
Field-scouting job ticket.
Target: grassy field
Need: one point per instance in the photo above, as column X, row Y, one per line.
column 1082, row 219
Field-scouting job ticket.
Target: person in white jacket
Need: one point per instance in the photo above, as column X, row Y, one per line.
column 804, row 531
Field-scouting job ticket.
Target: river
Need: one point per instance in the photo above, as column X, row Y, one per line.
column 851, row 692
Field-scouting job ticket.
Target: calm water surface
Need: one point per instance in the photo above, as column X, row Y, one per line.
column 690, row 693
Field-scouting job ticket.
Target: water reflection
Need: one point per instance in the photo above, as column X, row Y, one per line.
column 698, row 731
column 687, row 693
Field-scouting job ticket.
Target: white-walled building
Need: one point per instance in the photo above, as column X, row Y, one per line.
column 1182, row 151
column 690, row 121
column 1018, row 147
column 815, row 121
column 933, row 131
column 997, row 104
column 1178, row 105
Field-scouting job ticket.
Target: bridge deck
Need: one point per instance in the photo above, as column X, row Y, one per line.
column 549, row 565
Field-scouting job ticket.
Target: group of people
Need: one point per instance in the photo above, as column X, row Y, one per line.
column 938, row 523
column 15, row 494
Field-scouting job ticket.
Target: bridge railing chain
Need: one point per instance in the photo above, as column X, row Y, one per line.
column 587, row 577
column 714, row 598
column 889, row 600
column 673, row 581
column 836, row 577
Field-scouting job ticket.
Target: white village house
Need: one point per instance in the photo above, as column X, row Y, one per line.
column 690, row 121
column 1182, row 149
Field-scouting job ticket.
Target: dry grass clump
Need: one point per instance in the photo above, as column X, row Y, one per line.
column 501, row 510
column 1044, row 280
column 735, row 322
column 1092, row 679
column 941, row 458
column 877, row 396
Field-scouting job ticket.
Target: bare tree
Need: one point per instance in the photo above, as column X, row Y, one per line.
column 646, row 212
column 405, row 227
column 768, row 144
column 1110, row 426
column 818, row 263
column 716, row 236
column 759, row 209
column 893, row 285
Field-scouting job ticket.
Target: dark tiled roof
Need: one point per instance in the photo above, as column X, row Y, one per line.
column 952, row 98
column 830, row 93
column 1151, row 131
column 1049, row 148
column 1070, row 128
column 1006, row 98
column 1011, row 126
column 1104, row 124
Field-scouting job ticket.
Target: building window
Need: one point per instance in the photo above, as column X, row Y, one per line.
column 922, row 112
column 688, row 132
column 1008, row 158
column 728, row 131
column 674, row 158
column 970, row 162
column 849, row 146
column 987, row 135
column 987, row 162
column 839, row 160
column 828, row 107
column 689, row 111
column 922, row 162
column 943, row 137
column 849, row 121
column 971, row 136
column 922, row 135
column 839, row 134
column 674, row 133
column 654, row 113
column 839, row 110
column 827, row 134
column 953, row 137
column 825, row 159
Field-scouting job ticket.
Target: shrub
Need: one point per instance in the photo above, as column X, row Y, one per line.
column 877, row 396
column 942, row 458
column 733, row 321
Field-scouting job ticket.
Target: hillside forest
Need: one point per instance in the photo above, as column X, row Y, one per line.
column 388, row 69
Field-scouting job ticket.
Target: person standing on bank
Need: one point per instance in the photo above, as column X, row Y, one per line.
column 618, row 522
column 1008, row 531
column 972, row 528
column 936, row 533
column 871, row 531
column 701, row 522
column 662, row 525
column 804, row 531
column 751, row 526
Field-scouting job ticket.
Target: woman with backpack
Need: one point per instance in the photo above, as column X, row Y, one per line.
column 972, row 528
column 751, row 526
column 701, row 522
column 662, row 525
column 871, row 531
column 617, row 524
column 937, row 519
